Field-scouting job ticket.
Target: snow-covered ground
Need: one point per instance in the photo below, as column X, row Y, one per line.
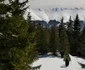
column 56, row 63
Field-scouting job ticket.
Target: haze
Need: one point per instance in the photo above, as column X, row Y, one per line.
column 56, row 3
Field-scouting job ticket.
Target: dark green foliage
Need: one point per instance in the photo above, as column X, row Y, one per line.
column 76, row 36
column 17, row 8
column 64, row 42
column 20, row 39
column 76, row 27
column 15, row 41
column 61, row 27
column 70, row 34
column 17, row 45
column 83, row 36
column 70, row 25
column 42, row 39
column 82, row 43
column 3, row 9
column 54, row 40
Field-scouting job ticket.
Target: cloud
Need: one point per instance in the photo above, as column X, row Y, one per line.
column 60, row 3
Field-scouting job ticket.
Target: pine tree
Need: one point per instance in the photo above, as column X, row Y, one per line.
column 64, row 43
column 70, row 33
column 3, row 12
column 17, row 47
column 61, row 26
column 81, row 50
column 42, row 39
column 76, row 35
column 76, row 27
column 3, row 9
column 70, row 25
column 17, row 8
column 54, row 40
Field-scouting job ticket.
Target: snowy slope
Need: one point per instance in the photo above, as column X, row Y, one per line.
column 56, row 9
column 55, row 63
column 47, row 14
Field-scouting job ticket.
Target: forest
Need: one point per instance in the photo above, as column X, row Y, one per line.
column 21, row 41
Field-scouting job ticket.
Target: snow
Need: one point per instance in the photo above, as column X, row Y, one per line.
column 56, row 9
column 47, row 14
column 56, row 63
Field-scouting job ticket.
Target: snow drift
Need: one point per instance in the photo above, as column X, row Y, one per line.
column 56, row 63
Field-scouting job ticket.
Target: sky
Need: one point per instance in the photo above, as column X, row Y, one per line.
column 56, row 3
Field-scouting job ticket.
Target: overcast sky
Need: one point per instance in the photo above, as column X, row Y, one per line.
column 57, row 3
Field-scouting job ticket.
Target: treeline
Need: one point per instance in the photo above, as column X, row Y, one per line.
column 65, row 38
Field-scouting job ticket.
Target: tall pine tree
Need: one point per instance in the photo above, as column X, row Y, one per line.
column 16, row 40
column 81, row 49
column 42, row 39
column 64, row 43
column 76, row 36
column 54, row 40
column 76, row 27
column 70, row 33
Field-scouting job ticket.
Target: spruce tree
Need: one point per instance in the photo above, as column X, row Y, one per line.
column 42, row 39
column 70, row 33
column 18, row 8
column 54, row 40
column 76, row 35
column 64, row 42
column 70, row 25
column 76, row 27
column 17, row 47
column 81, row 50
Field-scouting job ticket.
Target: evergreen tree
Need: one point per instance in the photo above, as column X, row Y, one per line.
column 61, row 26
column 81, row 49
column 70, row 25
column 54, row 40
column 3, row 12
column 17, row 47
column 70, row 33
column 76, row 27
column 42, row 39
column 15, row 41
column 76, row 36
column 18, row 8
column 3, row 8
column 64, row 43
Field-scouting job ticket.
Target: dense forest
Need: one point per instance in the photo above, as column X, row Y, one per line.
column 21, row 41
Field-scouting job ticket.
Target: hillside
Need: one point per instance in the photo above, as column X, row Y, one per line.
column 57, row 13
column 56, row 63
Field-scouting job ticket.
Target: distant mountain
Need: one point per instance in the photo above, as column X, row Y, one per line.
column 56, row 23
column 52, row 16
column 47, row 14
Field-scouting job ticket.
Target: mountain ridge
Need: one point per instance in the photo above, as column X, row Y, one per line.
column 57, row 13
